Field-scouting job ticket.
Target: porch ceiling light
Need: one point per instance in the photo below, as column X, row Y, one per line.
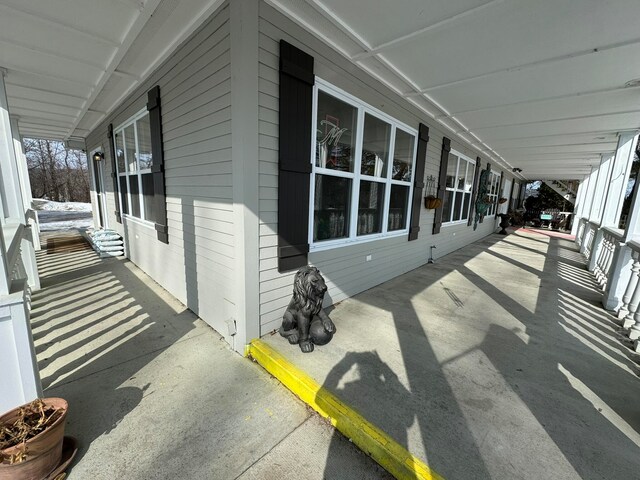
column 633, row 83
column 98, row 156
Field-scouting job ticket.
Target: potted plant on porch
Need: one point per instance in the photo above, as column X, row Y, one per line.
column 31, row 441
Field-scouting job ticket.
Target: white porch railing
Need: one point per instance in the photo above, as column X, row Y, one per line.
column 590, row 230
column 582, row 224
column 610, row 241
column 21, row 379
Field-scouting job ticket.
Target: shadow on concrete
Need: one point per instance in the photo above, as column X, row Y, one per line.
column 370, row 379
column 96, row 315
column 544, row 387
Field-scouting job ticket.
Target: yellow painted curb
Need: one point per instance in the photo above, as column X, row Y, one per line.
column 369, row 438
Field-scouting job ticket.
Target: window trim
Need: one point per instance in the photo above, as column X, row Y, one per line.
column 472, row 162
column 356, row 177
column 132, row 121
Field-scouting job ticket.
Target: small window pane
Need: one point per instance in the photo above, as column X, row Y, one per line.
column 144, row 142
column 452, row 167
column 124, row 207
column 335, row 133
column 130, row 147
column 457, row 206
column 465, row 206
column 120, row 152
column 370, row 207
column 468, row 184
column 331, row 207
column 403, row 156
column 375, row 146
column 461, row 174
column 147, row 193
column 398, row 204
column 135, row 197
column 446, row 206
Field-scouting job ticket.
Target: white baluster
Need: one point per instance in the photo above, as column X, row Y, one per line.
column 631, row 287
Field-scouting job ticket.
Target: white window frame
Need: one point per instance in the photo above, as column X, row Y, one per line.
column 129, row 175
column 356, row 176
column 494, row 181
column 472, row 168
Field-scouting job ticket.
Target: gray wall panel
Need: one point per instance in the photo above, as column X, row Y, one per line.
column 345, row 268
column 197, row 266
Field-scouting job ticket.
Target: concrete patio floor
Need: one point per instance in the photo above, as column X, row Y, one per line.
column 497, row 361
column 155, row 393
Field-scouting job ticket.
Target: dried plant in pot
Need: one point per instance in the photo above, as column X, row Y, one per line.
column 431, row 202
column 31, row 438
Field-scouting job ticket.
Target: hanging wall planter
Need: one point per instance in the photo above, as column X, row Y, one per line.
column 431, row 201
column 502, row 200
column 31, row 439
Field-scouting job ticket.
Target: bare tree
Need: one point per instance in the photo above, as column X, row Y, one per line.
column 55, row 172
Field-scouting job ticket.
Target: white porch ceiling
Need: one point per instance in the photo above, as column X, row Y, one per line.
column 538, row 85
column 70, row 62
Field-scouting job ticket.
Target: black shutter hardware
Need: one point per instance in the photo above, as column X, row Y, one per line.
column 418, row 184
column 474, row 194
column 442, row 182
column 294, row 175
column 157, row 167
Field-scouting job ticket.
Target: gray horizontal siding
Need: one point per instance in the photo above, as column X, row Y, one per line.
column 345, row 268
column 198, row 264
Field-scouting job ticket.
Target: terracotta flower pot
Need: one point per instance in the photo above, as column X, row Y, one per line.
column 432, row 202
column 44, row 451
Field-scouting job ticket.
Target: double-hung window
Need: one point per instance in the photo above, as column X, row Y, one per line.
column 133, row 154
column 492, row 193
column 363, row 167
column 459, row 184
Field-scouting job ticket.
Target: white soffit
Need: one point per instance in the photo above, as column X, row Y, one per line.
column 70, row 62
column 538, row 85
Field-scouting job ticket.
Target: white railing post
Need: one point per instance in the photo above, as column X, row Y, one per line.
column 632, row 283
column 597, row 252
column 634, row 297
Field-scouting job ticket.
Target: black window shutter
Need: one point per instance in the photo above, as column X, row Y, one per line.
column 442, row 182
column 114, row 172
column 296, row 99
column 157, row 167
column 418, row 183
column 499, row 190
column 474, row 194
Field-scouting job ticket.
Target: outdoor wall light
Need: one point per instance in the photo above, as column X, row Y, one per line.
column 98, row 156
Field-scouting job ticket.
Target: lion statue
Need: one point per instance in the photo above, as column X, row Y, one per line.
column 304, row 322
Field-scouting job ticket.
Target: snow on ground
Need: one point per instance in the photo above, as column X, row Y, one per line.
column 41, row 204
column 63, row 215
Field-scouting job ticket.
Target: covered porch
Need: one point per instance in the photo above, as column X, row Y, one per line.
column 497, row 361
column 531, row 336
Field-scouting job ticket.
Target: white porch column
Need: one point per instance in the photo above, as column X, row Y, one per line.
column 620, row 171
column 20, row 379
column 604, row 174
column 604, row 171
column 31, row 240
column 11, row 194
column 579, row 206
column 622, row 262
column 588, row 202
